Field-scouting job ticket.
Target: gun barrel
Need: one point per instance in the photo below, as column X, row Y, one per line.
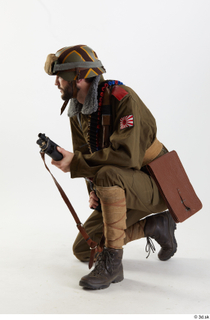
column 42, row 136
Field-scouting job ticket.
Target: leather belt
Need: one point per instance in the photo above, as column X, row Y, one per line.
column 94, row 247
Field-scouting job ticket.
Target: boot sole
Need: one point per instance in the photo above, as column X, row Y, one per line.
column 86, row 285
column 172, row 226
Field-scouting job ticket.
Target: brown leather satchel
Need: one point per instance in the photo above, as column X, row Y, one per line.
column 174, row 186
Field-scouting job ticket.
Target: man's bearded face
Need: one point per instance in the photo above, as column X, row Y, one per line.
column 66, row 90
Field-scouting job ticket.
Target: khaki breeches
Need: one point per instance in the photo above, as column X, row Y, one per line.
column 142, row 199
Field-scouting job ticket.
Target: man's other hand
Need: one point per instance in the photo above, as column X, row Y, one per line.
column 93, row 200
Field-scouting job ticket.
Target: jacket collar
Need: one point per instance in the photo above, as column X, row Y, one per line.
column 91, row 101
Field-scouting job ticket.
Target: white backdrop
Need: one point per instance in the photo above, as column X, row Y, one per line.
column 160, row 48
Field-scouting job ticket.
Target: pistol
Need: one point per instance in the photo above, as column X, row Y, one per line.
column 49, row 147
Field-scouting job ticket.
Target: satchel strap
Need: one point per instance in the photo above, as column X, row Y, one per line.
column 152, row 152
column 92, row 244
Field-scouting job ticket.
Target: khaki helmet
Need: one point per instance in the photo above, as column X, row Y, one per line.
column 73, row 63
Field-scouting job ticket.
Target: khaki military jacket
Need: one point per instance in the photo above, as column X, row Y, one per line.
column 128, row 143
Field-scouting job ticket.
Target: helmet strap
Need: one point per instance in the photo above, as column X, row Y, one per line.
column 74, row 95
column 64, row 106
column 74, row 88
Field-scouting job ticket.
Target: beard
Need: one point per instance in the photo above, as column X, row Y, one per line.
column 68, row 92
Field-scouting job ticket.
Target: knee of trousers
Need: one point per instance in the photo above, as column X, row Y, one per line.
column 108, row 176
column 81, row 249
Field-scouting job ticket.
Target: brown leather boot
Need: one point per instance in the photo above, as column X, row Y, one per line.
column 108, row 269
column 161, row 227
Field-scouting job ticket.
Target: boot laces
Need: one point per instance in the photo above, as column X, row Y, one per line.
column 104, row 261
column 149, row 246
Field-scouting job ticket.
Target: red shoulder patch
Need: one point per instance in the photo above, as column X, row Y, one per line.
column 119, row 92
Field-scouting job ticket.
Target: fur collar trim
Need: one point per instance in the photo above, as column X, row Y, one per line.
column 91, row 101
